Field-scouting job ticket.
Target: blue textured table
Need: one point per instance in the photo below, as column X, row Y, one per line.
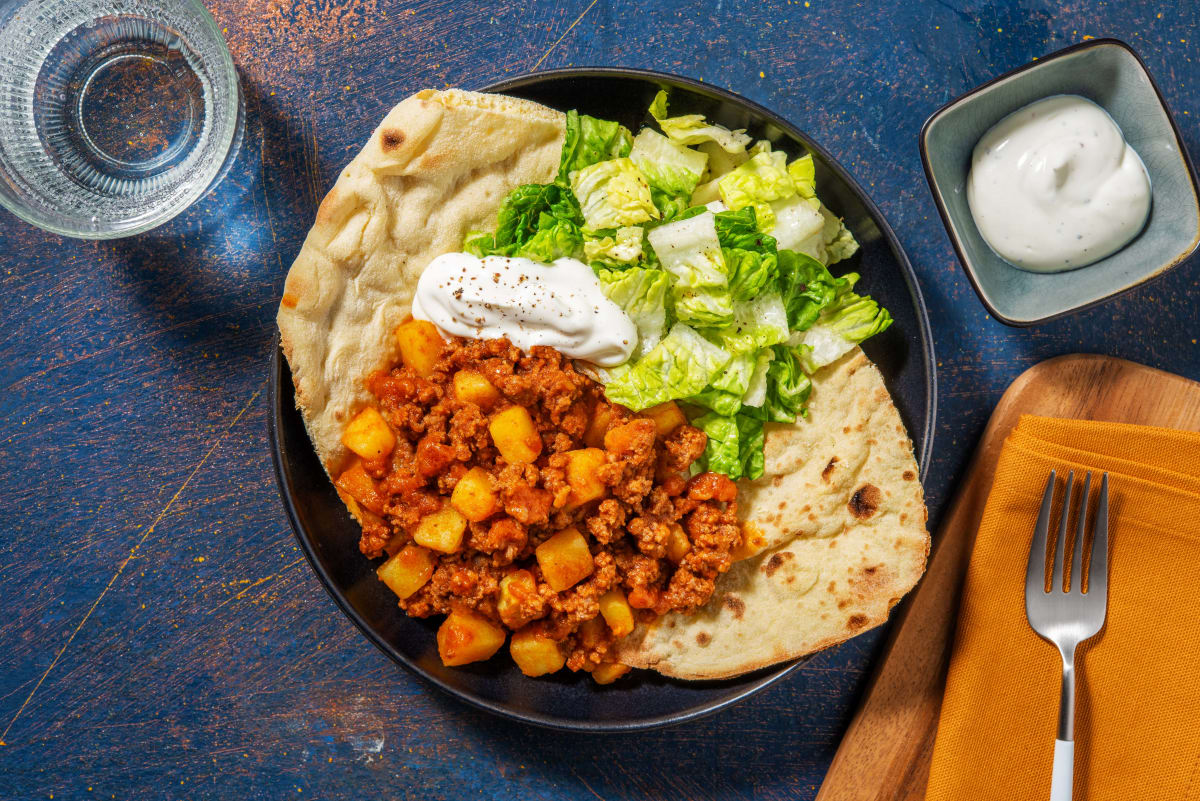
column 161, row 635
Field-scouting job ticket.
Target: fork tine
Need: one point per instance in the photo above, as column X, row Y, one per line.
column 1080, row 530
column 1098, row 564
column 1035, row 573
column 1060, row 558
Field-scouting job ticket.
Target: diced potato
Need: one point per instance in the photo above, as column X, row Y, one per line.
column 666, row 416
column 474, row 497
column 408, row 570
column 678, row 544
column 515, row 591
column 591, row 632
column 369, row 435
column 602, row 418
column 565, row 559
column 355, row 482
column 472, row 387
column 583, row 476
column 535, row 653
column 420, row 345
column 617, row 612
column 467, row 637
column 442, row 530
column 753, row 542
column 515, row 436
column 609, row 672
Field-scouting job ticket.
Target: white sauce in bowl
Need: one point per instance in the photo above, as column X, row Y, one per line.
column 559, row 305
column 1054, row 186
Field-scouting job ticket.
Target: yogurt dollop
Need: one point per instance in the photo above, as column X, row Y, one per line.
column 1055, row 186
column 560, row 305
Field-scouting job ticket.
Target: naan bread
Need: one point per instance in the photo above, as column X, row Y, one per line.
column 438, row 166
column 843, row 515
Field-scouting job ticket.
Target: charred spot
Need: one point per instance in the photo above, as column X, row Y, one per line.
column 908, row 475
column 776, row 561
column 865, row 501
column 856, row 622
column 870, row 571
column 703, row 638
column 735, row 605
column 842, row 604
column 290, row 301
column 828, row 471
column 391, row 139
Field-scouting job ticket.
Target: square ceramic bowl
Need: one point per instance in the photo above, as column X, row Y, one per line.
column 1110, row 74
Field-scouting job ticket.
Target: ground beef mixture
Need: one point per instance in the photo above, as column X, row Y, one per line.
column 653, row 533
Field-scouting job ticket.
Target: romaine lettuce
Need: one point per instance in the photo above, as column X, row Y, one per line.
column 536, row 221
column 666, row 165
column 757, row 323
column 749, row 255
column 613, row 194
column 642, row 295
column 788, row 387
column 693, row 129
column 841, row 326
column 807, row 288
column 735, row 444
column 588, row 141
column 679, row 366
column 622, row 247
column 690, row 251
column 756, row 183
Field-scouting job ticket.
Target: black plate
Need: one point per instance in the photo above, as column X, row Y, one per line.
column 329, row 536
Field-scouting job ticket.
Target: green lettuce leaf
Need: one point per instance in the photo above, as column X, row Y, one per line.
column 735, row 444
column 719, row 401
column 690, row 251
column 839, row 242
column 613, row 194
column 842, row 325
column 642, row 295
column 588, row 141
column 756, row 390
column 756, row 183
column 807, row 288
column 788, row 386
column 536, row 221
column 749, row 255
column 679, row 366
column 622, row 247
column 757, row 323
column 804, row 176
column 799, row 226
column 667, row 166
column 693, row 129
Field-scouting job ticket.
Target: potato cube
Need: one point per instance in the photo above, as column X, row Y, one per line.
column 591, row 632
column 666, row 416
column 678, row 544
column 474, row 497
column 369, row 435
column 465, row 636
column 515, row 436
column 617, row 612
column 472, row 387
column 420, row 345
column 408, row 570
column 583, row 476
column 442, row 530
column 753, row 542
column 517, row 589
column 535, row 653
column 609, row 672
column 602, row 418
column 355, row 482
column 565, row 559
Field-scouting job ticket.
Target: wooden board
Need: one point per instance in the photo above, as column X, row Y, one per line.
column 887, row 748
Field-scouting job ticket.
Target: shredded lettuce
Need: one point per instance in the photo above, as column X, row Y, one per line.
column 588, row 141
column 623, row 247
column 757, row 323
column 668, row 166
column 693, row 129
column 749, row 255
column 840, row 327
column 613, row 194
column 642, row 295
column 788, row 386
column 690, row 250
column 807, row 288
column 756, row 183
column 536, row 221
column 679, row 366
column 735, row 444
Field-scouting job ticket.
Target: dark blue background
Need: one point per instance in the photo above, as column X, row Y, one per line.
column 160, row 633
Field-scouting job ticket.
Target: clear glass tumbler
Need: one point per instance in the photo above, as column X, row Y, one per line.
column 115, row 115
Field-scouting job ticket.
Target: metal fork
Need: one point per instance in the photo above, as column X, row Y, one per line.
column 1067, row 618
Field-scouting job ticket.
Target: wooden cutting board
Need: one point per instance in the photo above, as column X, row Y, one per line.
column 887, row 748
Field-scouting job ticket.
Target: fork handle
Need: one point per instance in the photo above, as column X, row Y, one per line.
column 1064, row 770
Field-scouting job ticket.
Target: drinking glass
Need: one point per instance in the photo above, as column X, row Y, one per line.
column 115, row 115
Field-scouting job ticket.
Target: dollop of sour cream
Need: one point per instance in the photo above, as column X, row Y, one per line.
column 1055, row 186
column 560, row 305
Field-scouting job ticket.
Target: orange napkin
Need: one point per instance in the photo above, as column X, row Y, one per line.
column 1137, row 723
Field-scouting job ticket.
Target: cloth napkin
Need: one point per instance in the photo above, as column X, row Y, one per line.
column 1137, row 720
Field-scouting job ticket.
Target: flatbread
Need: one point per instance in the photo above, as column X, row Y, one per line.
column 843, row 515
column 438, row 166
